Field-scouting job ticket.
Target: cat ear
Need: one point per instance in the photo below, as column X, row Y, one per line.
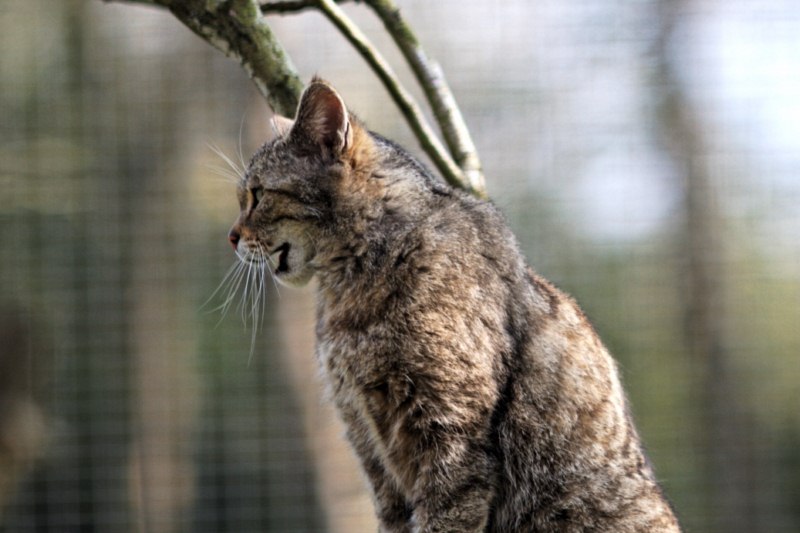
column 281, row 125
column 322, row 119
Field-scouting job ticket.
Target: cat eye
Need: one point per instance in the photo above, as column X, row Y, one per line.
column 257, row 193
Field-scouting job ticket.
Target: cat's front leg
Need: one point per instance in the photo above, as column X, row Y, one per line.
column 434, row 439
column 454, row 494
column 394, row 513
column 427, row 475
column 438, row 455
column 392, row 509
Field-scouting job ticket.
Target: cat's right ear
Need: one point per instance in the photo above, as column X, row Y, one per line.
column 281, row 126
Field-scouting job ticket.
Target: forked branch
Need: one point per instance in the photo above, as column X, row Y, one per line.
column 238, row 29
column 462, row 154
column 402, row 98
column 431, row 78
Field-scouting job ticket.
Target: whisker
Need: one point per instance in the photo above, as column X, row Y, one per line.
column 230, row 282
column 246, row 293
column 233, row 284
column 238, row 170
column 256, row 295
column 233, row 289
column 225, row 280
column 246, row 281
column 227, row 175
column 257, row 305
column 272, row 265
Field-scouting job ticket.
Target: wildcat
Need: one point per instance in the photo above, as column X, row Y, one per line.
column 476, row 395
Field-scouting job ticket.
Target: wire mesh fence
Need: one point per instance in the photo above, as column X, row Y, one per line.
column 649, row 168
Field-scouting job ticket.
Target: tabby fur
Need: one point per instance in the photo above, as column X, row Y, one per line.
column 477, row 396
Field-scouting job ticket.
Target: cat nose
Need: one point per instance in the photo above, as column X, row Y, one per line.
column 233, row 237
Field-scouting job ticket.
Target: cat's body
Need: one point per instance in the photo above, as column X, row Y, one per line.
column 476, row 395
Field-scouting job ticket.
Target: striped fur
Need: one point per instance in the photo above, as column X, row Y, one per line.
column 477, row 396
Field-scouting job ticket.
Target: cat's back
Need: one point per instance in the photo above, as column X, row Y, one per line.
column 514, row 362
column 572, row 459
column 569, row 455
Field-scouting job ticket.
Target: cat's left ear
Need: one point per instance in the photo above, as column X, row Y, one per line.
column 322, row 120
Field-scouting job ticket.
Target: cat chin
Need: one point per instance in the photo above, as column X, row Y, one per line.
column 295, row 279
column 293, row 265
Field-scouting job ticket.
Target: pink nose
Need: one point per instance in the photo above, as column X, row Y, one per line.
column 233, row 237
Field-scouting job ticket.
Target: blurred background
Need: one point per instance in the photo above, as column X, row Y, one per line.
column 646, row 153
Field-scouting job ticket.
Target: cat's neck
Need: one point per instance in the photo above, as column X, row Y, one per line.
column 374, row 226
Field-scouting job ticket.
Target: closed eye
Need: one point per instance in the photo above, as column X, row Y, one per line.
column 293, row 210
column 258, row 194
column 254, row 196
column 288, row 194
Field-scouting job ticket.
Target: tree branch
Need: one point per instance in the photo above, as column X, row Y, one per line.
column 237, row 28
column 143, row 2
column 431, row 78
column 402, row 98
column 291, row 6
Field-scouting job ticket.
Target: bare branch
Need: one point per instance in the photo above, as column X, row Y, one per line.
column 437, row 91
column 428, row 74
column 143, row 2
column 291, row 6
column 237, row 28
column 408, row 106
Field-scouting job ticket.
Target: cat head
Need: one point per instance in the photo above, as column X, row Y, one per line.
column 295, row 183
